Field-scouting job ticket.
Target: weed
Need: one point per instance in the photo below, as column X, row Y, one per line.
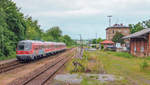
column 144, row 65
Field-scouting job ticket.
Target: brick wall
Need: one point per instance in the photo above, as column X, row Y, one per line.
column 140, row 47
column 110, row 32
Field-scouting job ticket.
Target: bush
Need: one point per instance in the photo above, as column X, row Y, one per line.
column 13, row 55
column 102, row 46
column 93, row 46
column 144, row 65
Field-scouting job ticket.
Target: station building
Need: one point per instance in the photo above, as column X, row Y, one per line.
column 140, row 43
column 112, row 30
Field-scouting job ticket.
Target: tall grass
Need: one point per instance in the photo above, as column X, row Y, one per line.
column 144, row 65
column 121, row 54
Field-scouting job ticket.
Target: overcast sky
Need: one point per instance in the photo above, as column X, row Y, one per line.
column 86, row 17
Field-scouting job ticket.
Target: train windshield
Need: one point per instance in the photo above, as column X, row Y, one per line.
column 20, row 47
column 24, row 47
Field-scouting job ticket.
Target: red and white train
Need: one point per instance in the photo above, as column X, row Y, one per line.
column 31, row 49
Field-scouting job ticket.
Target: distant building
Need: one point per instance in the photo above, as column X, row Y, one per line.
column 140, row 43
column 111, row 31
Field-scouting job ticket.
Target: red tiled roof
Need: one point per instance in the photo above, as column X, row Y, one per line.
column 107, row 42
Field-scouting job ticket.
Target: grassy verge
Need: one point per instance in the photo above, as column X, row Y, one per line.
column 8, row 57
column 87, row 65
column 135, row 71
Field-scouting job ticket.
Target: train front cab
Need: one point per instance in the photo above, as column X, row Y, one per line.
column 24, row 51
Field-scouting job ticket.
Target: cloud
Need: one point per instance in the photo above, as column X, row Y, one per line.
column 82, row 7
column 80, row 12
column 84, row 16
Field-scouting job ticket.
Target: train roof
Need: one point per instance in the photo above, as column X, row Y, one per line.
column 32, row 41
column 37, row 41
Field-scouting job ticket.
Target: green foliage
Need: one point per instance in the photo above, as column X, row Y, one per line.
column 135, row 28
column 102, row 46
column 121, row 54
column 146, row 23
column 118, row 38
column 67, row 39
column 33, row 31
column 93, row 46
column 13, row 55
column 94, row 41
column 139, row 26
column 55, row 33
column 147, row 58
column 14, row 26
column 144, row 65
column 99, row 40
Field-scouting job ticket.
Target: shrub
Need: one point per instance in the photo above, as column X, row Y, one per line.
column 102, row 46
column 144, row 65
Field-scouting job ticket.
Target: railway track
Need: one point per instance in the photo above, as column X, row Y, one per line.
column 16, row 64
column 10, row 66
column 46, row 74
column 41, row 75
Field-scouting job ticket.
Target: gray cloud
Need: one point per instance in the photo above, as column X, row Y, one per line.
column 84, row 16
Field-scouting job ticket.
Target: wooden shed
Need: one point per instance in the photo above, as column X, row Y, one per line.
column 140, row 43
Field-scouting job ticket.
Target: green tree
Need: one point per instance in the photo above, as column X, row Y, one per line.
column 94, row 41
column 15, row 27
column 67, row 40
column 99, row 40
column 146, row 24
column 55, row 33
column 135, row 28
column 118, row 38
column 12, row 27
column 33, row 31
